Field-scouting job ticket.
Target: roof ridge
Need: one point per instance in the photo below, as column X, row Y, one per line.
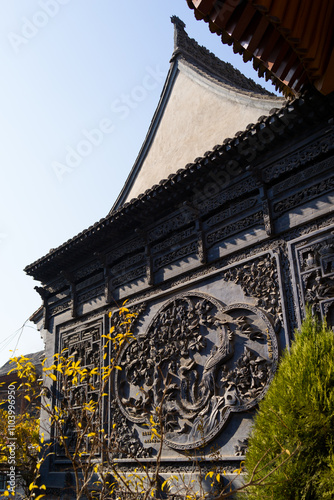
column 200, row 55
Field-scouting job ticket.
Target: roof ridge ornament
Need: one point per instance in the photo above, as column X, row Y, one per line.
column 179, row 32
column 202, row 58
column 178, row 22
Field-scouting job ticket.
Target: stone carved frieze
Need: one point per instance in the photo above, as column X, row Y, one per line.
column 125, row 264
column 134, row 274
column 306, row 229
column 87, row 270
column 211, row 203
column 304, row 175
column 173, row 240
column 90, row 295
column 59, row 308
column 304, row 195
column 89, row 282
column 203, row 361
column 129, row 247
column 180, row 253
column 236, row 227
column 172, row 224
column 231, row 211
column 301, row 157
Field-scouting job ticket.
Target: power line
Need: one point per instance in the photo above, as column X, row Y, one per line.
column 7, row 341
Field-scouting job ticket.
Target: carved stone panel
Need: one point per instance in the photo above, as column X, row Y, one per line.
column 313, row 263
column 203, row 361
column 80, row 344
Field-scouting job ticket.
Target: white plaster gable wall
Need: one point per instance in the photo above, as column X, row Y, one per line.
column 199, row 114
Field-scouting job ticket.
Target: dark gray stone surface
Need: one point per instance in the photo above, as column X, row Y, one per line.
column 218, row 262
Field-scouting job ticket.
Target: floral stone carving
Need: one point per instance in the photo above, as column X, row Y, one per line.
column 259, row 279
column 204, row 361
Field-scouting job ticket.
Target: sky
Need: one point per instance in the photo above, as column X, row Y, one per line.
column 67, row 67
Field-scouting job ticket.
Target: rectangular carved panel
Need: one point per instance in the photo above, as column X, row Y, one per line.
column 313, row 273
column 82, row 344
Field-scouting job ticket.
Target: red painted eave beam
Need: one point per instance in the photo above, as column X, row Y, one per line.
column 292, row 40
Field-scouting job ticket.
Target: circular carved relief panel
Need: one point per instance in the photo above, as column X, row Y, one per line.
column 203, row 360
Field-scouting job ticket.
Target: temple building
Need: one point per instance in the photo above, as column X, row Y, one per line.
column 221, row 234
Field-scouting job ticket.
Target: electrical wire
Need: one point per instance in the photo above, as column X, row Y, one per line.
column 8, row 340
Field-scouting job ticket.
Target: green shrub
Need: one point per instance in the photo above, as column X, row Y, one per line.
column 291, row 450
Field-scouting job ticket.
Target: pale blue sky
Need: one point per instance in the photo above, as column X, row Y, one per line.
column 64, row 63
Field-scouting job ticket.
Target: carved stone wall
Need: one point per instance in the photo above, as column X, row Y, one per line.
column 219, row 274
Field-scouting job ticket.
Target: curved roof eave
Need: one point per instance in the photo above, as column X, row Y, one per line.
column 88, row 241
